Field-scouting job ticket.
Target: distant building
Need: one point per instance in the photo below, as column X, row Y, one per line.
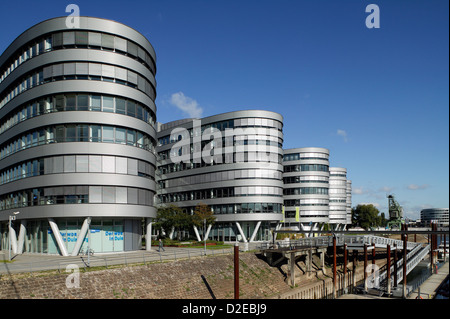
column 440, row 215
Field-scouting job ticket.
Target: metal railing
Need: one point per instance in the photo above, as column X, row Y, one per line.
column 107, row 261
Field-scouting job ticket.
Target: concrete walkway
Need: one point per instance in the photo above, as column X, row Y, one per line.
column 428, row 288
column 42, row 262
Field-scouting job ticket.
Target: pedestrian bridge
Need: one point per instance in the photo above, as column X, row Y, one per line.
column 290, row 249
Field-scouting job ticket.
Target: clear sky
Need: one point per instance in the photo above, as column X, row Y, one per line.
column 378, row 99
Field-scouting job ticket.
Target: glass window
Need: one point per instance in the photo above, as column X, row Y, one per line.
column 132, row 196
column 82, row 102
column 131, row 77
column 59, row 134
column 131, row 108
column 95, row 164
column 120, row 135
column 95, row 69
column 68, row 38
column 95, row 39
column 108, row 104
column 82, row 163
column 81, row 38
column 120, row 73
column 132, row 48
column 58, row 164
column 107, row 41
column 95, row 194
column 140, row 112
column 120, row 44
column 121, row 165
column 108, row 71
column 70, row 102
column 121, row 195
column 108, row 134
column 82, row 68
column 69, row 68
column 57, row 41
column 132, row 166
column 109, row 194
column 108, row 164
column 59, row 103
column 120, row 106
column 95, row 102
column 83, row 133
column 69, row 164
column 95, row 133
column 131, row 137
column 71, row 133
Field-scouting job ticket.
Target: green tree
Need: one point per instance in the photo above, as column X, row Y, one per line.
column 366, row 216
column 172, row 217
column 203, row 212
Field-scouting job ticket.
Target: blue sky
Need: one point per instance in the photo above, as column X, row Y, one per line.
column 377, row 98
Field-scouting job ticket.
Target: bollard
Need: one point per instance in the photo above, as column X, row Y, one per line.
column 388, row 269
column 365, row 267
column 345, row 267
column 405, row 252
column 334, row 267
column 395, row 266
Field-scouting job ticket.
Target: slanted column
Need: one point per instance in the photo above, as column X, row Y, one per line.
column 22, row 232
column 148, row 234
column 81, row 236
column 58, row 237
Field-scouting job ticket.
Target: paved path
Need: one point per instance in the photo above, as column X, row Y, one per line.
column 41, row 262
column 428, row 288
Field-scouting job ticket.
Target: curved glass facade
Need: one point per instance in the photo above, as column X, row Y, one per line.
column 77, row 136
column 232, row 163
column 306, row 187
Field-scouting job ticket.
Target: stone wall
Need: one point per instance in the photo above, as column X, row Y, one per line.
column 178, row 279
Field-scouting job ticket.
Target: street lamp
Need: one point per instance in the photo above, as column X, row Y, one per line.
column 11, row 218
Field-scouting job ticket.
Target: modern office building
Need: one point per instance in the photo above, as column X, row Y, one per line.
column 338, row 196
column 306, row 187
column 314, row 193
column 233, row 163
column 439, row 215
column 77, row 137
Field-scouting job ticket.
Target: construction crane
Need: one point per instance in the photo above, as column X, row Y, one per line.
column 395, row 213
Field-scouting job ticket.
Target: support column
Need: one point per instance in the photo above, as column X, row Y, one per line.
column 58, row 237
column 241, row 231
column 197, row 234
column 207, row 232
column 13, row 239
column 81, row 236
column 292, row 268
column 148, row 234
column 22, row 232
column 258, row 224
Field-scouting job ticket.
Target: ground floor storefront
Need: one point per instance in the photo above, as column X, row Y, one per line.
column 71, row 236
